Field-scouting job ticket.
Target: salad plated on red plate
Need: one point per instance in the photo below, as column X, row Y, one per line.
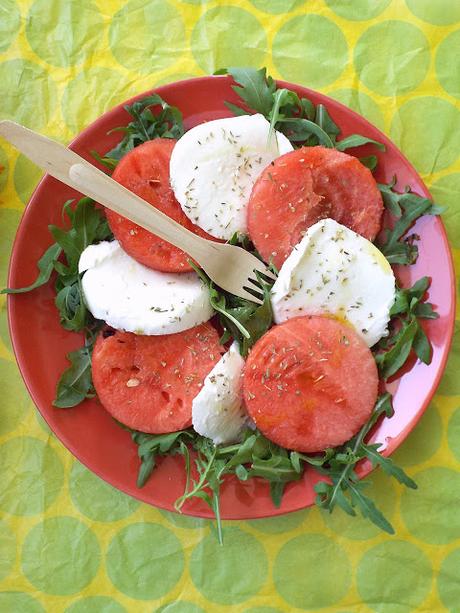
column 222, row 406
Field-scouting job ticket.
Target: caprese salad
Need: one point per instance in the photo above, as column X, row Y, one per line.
column 256, row 390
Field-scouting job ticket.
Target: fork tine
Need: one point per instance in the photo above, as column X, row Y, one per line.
column 256, row 283
column 248, row 296
column 263, row 269
column 254, row 292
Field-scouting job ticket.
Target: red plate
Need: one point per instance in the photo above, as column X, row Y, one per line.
column 89, row 432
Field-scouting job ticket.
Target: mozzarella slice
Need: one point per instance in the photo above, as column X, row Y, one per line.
column 217, row 410
column 131, row 297
column 214, row 166
column 335, row 271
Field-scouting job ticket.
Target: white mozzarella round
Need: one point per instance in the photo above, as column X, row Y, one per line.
column 335, row 271
column 131, row 297
column 214, row 166
column 217, row 410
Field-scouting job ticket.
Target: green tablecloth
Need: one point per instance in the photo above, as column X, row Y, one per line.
column 69, row 542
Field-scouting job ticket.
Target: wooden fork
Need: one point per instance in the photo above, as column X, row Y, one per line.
column 230, row 267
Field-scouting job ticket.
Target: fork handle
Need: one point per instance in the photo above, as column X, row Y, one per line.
column 94, row 183
column 73, row 170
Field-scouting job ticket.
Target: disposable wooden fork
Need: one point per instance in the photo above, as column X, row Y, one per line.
column 230, row 267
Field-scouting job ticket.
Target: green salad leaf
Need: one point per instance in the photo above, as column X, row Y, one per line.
column 297, row 118
column 241, row 320
column 343, row 488
column 406, row 333
column 88, row 225
column 256, row 456
column 406, row 208
column 45, row 265
column 75, row 383
column 145, row 126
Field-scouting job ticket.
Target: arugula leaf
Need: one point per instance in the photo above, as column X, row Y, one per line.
column 145, row 126
column 242, row 320
column 344, row 489
column 421, row 345
column 369, row 161
column 45, row 265
column 300, row 130
column 75, row 383
column 367, row 506
column 356, row 140
column 256, row 456
column 391, row 361
column 387, row 465
column 297, row 118
column 407, row 332
column 406, row 208
column 254, row 87
column 326, row 123
column 108, row 162
column 88, row 225
column 152, row 445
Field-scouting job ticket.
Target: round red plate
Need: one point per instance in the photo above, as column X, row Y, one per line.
column 90, row 433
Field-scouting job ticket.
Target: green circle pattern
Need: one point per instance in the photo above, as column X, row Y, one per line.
column 4, row 168
column 7, row 550
column 392, row 57
column 445, row 191
column 72, row 28
column 453, row 433
column 448, row 583
column 450, row 382
column 277, row 7
column 4, row 332
column 361, row 103
column 15, row 399
column 448, row 63
column 18, row 602
column 262, row 610
column 96, row 604
column 431, row 512
column 137, row 35
column 32, row 476
column 394, row 577
column 436, row 12
column 281, row 523
column 144, row 575
column 423, row 442
column 49, row 552
column 184, row 521
column 26, row 176
column 230, row 574
column 357, row 10
column 221, row 38
column 9, row 23
column 92, row 92
column 180, row 606
column 303, row 570
column 9, row 220
column 96, row 499
column 427, row 129
column 310, row 50
column 23, row 84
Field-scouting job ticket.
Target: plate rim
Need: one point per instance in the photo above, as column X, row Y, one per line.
column 365, row 467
